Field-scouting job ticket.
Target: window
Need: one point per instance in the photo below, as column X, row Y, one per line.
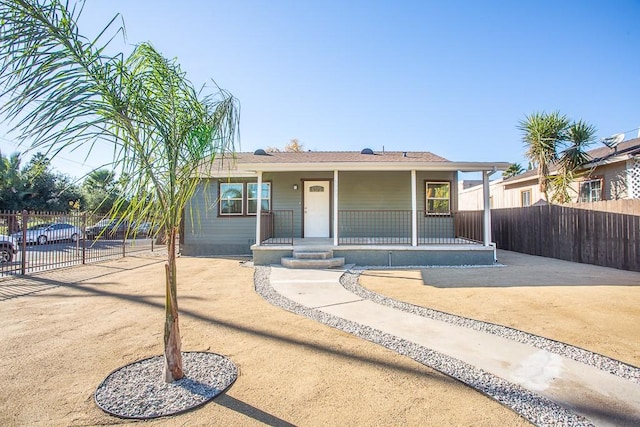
column 252, row 197
column 438, row 197
column 231, row 197
column 525, row 198
column 241, row 198
column 591, row 191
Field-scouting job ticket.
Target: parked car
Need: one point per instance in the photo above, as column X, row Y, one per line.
column 8, row 248
column 108, row 229
column 49, row 232
column 145, row 229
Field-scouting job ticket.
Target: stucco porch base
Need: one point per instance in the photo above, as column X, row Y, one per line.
column 387, row 255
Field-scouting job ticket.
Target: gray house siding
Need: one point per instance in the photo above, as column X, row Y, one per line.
column 207, row 233
column 285, row 198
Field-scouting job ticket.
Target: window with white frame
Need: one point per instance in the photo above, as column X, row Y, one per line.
column 231, row 198
column 241, row 198
column 438, row 197
column 591, row 191
column 252, row 197
column 525, row 198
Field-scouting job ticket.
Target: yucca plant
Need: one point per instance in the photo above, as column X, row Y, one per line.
column 552, row 139
column 161, row 129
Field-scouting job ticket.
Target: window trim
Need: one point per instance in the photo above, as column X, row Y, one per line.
column 597, row 179
column 522, row 193
column 241, row 198
column 244, row 200
column 427, row 198
column 247, row 198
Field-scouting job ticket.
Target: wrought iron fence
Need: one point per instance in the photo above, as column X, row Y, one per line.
column 394, row 227
column 37, row 241
column 277, row 227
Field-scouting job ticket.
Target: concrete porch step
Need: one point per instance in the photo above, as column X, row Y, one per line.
column 313, row 254
column 321, row 263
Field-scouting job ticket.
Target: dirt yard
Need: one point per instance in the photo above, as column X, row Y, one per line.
column 591, row 307
column 59, row 343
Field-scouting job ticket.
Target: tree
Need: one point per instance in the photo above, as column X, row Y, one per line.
column 513, row 170
column 99, row 191
column 579, row 135
column 294, row 146
column 11, row 183
column 551, row 138
column 44, row 189
column 164, row 132
column 35, row 186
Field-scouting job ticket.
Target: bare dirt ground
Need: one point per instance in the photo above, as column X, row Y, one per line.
column 59, row 343
column 592, row 307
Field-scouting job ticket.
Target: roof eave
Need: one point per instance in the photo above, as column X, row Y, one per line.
column 375, row 166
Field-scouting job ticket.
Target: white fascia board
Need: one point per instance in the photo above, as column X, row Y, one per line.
column 608, row 161
column 229, row 174
column 378, row 166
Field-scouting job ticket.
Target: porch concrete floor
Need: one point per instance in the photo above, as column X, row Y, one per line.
column 327, row 242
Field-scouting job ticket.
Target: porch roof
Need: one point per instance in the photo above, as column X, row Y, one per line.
column 246, row 164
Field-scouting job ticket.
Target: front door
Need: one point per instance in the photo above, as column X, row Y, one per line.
column 317, row 206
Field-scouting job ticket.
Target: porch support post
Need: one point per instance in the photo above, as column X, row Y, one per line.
column 335, row 208
column 486, row 226
column 414, row 210
column 259, row 210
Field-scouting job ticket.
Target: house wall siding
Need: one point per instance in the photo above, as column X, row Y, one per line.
column 615, row 185
column 286, row 198
column 206, row 233
column 614, row 181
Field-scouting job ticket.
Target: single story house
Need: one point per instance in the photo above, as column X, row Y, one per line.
column 386, row 208
column 612, row 173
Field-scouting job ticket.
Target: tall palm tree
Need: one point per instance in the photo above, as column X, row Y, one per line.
column 161, row 128
column 542, row 134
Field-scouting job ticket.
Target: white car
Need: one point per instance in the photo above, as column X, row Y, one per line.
column 44, row 233
column 8, row 247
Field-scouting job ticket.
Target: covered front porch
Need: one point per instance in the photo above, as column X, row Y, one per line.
column 389, row 209
column 380, row 238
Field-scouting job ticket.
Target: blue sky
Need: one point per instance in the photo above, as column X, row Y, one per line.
column 450, row 77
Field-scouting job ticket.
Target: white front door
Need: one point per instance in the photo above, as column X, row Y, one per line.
column 317, row 196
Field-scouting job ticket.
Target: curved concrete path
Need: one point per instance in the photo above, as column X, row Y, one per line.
column 604, row 399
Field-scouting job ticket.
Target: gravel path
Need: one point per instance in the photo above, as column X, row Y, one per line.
column 531, row 406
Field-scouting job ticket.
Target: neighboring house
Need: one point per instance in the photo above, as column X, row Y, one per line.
column 390, row 208
column 612, row 173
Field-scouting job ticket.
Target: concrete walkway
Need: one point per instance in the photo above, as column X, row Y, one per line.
column 603, row 398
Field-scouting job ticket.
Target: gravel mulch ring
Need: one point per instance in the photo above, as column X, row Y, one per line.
column 138, row 390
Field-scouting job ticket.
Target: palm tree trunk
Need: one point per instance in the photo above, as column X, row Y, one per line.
column 543, row 180
column 172, row 342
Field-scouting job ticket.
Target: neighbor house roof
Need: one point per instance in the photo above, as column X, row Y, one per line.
column 239, row 164
column 599, row 156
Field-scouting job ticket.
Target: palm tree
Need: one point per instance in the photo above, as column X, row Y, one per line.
column 543, row 134
column 551, row 138
column 513, row 170
column 579, row 135
column 98, row 190
column 163, row 131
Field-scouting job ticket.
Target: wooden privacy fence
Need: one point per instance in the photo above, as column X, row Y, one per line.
column 587, row 236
